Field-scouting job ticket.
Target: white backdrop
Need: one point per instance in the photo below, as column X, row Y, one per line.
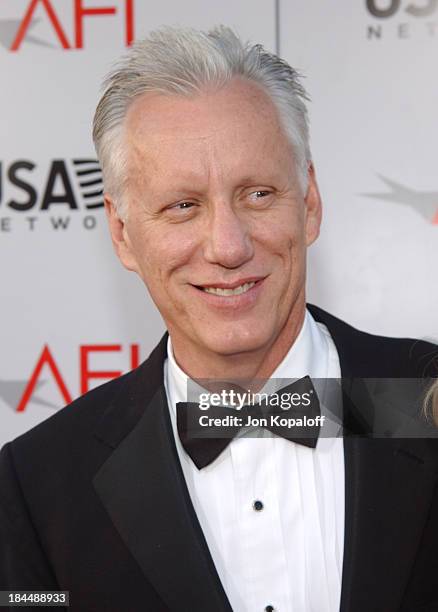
column 371, row 72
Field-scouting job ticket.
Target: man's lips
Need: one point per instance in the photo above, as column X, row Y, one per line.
column 230, row 285
column 241, row 293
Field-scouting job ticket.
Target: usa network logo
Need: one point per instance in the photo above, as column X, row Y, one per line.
column 65, row 20
column 57, row 193
column 402, row 19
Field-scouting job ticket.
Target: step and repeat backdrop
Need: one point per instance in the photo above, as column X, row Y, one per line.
column 71, row 317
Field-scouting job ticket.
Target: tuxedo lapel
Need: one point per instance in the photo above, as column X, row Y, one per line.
column 388, row 489
column 143, row 490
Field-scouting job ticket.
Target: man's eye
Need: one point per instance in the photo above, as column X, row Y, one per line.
column 258, row 195
column 182, row 206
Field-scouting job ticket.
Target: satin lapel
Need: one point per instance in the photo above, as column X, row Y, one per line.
column 388, row 490
column 143, row 490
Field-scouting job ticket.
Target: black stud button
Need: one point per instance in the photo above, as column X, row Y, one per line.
column 258, row 505
column 269, row 609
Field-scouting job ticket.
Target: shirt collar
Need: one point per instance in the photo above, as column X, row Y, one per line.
column 307, row 356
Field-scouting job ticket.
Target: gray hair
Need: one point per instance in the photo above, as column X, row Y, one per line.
column 430, row 403
column 183, row 61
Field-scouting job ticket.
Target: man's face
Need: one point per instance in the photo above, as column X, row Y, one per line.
column 217, row 226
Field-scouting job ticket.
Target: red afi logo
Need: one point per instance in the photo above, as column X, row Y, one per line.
column 85, row 373
column 80, row 12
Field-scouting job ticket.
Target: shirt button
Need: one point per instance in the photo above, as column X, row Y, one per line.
column 258, row 505
column 269, row 609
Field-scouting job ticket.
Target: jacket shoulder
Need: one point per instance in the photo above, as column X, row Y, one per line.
column 370, row 355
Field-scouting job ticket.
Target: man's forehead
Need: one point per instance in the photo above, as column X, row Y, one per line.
column 171, row 162
column 203, row 114
column 230, row 135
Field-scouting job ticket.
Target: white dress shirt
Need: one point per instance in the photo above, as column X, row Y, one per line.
column 286, row 556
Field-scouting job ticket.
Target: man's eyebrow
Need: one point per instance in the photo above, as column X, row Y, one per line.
column 260, row 179
column 174, row 194
column 189, row 184
column 191, row 191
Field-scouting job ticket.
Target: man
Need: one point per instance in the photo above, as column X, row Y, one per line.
column 212, row 200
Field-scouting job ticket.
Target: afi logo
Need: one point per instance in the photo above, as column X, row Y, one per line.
column 80, row 13
column 384, row 8
column 46, row 362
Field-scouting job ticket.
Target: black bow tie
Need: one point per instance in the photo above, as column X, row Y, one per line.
column 204, row 434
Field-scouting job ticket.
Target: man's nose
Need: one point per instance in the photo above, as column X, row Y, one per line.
column 227, row 241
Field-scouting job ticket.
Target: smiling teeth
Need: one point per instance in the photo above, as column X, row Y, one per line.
column 236, row 291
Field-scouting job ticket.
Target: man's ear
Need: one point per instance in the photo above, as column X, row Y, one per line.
column 313, row 207
column 119, row 236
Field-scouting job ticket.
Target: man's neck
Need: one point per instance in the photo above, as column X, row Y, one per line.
column 246, row 365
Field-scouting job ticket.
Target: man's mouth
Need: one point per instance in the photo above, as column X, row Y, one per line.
column 226, row 292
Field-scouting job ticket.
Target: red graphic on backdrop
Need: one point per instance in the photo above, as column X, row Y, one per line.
column 45, row 358
column 46, row 362
column 86, row 375
column 80, row 13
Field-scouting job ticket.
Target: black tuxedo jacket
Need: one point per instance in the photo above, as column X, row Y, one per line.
column 94, row 501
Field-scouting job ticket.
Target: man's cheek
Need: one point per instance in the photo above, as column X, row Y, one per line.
column 286, row 243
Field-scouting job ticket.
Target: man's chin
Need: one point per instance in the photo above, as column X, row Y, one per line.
column 244, row 344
